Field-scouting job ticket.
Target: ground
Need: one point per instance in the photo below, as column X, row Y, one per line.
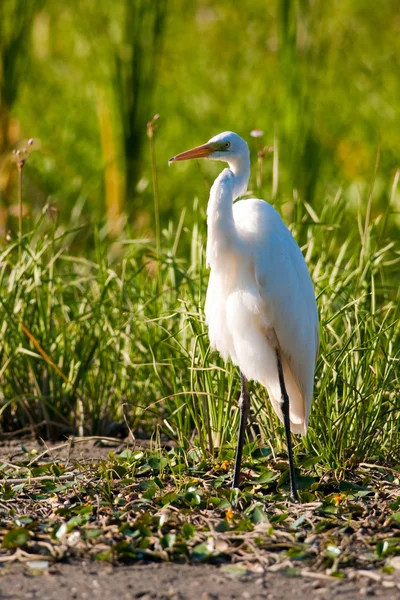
column 69, row 528
column 160, row 581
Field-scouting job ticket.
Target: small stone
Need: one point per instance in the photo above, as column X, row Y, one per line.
column 388, row 584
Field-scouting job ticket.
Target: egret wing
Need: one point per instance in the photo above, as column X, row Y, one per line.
column 288, row 307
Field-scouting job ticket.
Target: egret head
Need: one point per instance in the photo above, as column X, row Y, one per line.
column 226, row 146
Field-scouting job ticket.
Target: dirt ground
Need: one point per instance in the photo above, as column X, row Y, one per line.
column 77, row 449
column 176, row 582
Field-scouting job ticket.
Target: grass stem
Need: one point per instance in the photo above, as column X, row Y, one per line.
column 20, row 165
column 151, row 127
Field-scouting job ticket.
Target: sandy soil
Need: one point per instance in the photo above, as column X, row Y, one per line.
column 175, row 582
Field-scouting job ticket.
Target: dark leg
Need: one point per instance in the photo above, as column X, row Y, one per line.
column 244, row 404
column 286, row 422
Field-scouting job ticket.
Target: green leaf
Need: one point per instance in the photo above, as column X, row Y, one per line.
column 23, row 521
column 218, row 482
column 297, row 523
column 124, row 549
column 306, row 497
column 179, row 468
column 145, row 468
column 223, row 526
column 192, row 498
column 329, row 508
column 353, row 488
column 74, row 522
column 144, row 543
column 59, row 531
column 279, row 518
column 388, row 546
column 305, row 481
column 132, row 456
column 159, row 483
column 125, row 529
column 8, row 492
column 332, row 552
column 157, row 463
column 201, row 551
column 244, row 525
column 84, row 510
column 16, row 537
column 147, row 484
column 42, row 470
column 283, row 480
column 261, row 453
column 168, row 540
column 395, row 505
column 337, row 574
column 356, row 510
column 258, row 516
column 309, row 462
column 126, row 453
column 188, row 531
column 194, row 455
column 169, row 498
column 215, row 501
column 150, row 493
column 395, row 517
column 325, row 525
column 298, row 554
column 91, row 533
column 265, row 477
column 224, row 504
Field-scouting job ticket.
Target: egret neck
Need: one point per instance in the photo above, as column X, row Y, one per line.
column 229, row 185
column 227, row 147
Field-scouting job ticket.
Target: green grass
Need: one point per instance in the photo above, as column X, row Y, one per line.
column 88, row 342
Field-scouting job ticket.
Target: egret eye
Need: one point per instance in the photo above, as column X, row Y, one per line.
column 227, row 144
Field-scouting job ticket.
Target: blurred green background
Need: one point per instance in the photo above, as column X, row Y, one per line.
column 320, row 79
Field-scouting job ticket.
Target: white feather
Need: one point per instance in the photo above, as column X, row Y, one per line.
column 260, row 297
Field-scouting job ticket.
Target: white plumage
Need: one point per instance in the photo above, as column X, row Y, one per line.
column 260, row 297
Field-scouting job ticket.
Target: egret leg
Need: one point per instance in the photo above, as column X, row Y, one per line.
column 286, row 421
column 244, row 403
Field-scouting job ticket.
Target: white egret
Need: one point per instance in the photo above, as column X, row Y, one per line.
column 260, row 307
